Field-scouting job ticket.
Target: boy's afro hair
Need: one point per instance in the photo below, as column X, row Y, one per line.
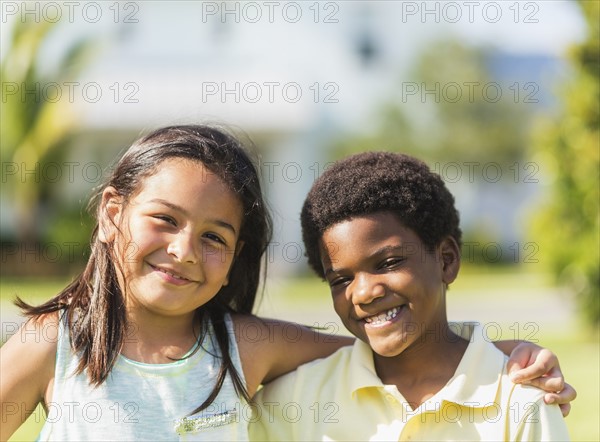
column 373, row 182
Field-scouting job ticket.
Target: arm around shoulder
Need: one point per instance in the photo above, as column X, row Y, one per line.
column 27, row 362
column 270, row 348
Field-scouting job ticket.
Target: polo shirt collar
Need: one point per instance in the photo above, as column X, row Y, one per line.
column 477, row 377
column 361, row 372
column 475, row 381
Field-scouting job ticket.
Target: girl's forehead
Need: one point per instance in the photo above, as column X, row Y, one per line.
column 194, row 191
column 183, row 170
column 181, row 176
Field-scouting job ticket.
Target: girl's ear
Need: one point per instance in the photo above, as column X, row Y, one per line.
column 238, row 249
column 450, row 253
column 109, row 214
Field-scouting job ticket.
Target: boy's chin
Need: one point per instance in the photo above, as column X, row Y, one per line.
column 386, row 350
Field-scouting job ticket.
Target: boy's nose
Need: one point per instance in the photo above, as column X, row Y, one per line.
column 365, row 289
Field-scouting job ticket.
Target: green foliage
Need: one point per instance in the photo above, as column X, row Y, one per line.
column 567, row 226
column 33, row 126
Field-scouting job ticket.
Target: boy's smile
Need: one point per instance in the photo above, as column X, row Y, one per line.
column 389, row 316
column 387, row 288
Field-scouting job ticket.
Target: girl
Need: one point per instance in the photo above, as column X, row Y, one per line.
column 155, row 339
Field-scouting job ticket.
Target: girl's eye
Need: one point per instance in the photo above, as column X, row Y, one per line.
column 167, row 219
column 215, row 238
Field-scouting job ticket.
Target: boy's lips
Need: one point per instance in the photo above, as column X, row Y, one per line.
column 384, row 316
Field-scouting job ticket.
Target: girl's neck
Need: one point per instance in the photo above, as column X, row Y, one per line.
column 159, row 340
column 425, row 367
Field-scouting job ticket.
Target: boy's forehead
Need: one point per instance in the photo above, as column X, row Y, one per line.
column 365, row 231
column 384, row 218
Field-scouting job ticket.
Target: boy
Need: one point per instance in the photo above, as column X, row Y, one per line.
column 382, row 230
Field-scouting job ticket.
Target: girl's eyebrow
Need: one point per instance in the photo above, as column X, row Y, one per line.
column 187, row 214
column 170, row 205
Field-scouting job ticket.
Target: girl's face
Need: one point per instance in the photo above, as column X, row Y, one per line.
column 178, row 237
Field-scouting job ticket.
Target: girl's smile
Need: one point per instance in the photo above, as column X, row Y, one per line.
column 172, row 276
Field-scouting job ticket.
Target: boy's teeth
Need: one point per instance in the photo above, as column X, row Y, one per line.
column 382, row 317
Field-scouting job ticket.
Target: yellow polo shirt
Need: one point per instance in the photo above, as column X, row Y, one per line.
column 341, row 398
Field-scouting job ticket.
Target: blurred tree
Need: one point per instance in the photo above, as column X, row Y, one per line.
column 567, row 226
column 35, row 125
column 452, row 110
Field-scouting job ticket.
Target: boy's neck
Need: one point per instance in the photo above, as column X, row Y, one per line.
column 425, row 367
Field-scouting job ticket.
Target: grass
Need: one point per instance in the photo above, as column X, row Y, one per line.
column 507, row 298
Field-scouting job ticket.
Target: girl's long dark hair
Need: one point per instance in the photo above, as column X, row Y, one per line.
column 94, row 302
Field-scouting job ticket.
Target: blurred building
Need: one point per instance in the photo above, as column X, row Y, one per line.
column 292, row 75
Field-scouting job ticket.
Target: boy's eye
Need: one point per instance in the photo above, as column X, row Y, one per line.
column 391, row 263
column 342, row 280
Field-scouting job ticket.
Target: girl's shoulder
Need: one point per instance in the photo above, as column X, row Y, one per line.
column 39, row 334
column 27, row 366
column 36, row 341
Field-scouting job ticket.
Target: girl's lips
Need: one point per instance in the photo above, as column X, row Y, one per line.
column 170, row 276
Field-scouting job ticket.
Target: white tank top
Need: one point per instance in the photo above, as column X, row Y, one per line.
column 142, row 401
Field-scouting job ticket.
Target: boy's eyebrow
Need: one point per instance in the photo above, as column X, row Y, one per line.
column 187, row 214
column 330, row 270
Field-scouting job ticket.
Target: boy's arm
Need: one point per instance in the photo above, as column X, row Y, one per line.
column 531, row 364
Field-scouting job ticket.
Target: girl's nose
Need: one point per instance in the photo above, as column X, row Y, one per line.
column 185, row 248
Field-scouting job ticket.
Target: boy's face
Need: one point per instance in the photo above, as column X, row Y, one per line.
column 387, row 289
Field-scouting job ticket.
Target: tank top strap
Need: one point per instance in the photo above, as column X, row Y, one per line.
column 233, row 347
column 66, row 365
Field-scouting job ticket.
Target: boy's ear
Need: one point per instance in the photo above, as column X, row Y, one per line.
column 450, row 253
column 109, row 214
